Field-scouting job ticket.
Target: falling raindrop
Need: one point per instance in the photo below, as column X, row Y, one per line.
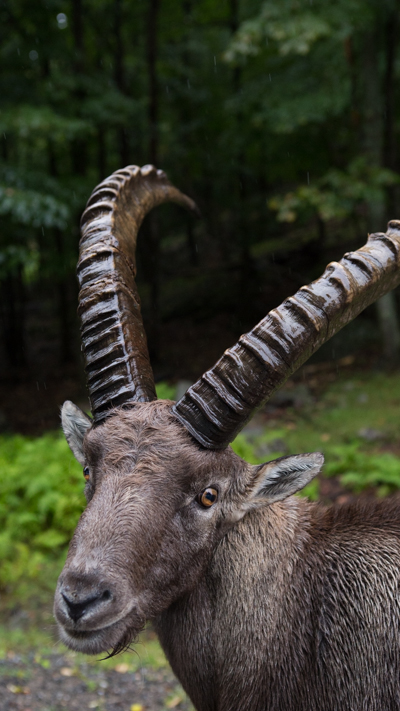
column 308, row 178
column 62, row 20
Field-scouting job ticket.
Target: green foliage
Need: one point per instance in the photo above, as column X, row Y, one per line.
column 243, row 101
column 360, row 470
column 293, row 52
column 311, row 491
column 350, row 424
column 293, row 29
column 41, row 498
column 30, row 122
column 30, row 207
column 267, row 446
column 14, row 257
column 284, row 71
column 165, row 391
column 357, row 468
column 260, row 448
column 338, row 194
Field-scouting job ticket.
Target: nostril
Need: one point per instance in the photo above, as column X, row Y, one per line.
column 76, row 609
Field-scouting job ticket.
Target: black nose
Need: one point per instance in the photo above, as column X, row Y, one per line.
column 77, row 607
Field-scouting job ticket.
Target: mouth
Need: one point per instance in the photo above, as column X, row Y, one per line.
column 112, row 639
column 87, row 642
column 82, row 634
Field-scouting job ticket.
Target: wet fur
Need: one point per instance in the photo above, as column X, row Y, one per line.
column 294, row 607
column 299, row 610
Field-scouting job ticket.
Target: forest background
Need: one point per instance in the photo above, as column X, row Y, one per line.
column 282, row 120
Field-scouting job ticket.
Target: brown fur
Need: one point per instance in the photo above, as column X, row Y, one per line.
column 281, row 607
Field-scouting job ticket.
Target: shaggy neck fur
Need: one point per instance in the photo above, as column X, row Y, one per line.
column 303, row 624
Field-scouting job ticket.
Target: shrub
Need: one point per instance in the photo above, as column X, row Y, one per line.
column 359, row 470
column 41, row 498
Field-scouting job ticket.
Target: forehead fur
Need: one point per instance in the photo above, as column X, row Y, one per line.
column 148, row 433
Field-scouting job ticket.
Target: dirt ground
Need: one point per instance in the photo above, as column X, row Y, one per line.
column 52, row 683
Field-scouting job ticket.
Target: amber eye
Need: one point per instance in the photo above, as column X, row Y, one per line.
column 208, row 497
column 86, row 473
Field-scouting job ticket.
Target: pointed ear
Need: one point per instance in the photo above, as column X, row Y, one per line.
column 75, row 424
column 281, row 478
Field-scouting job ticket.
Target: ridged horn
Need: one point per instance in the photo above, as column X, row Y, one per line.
column 114, row 342
column 220, row 403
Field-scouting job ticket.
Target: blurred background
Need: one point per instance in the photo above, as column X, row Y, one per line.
column 282, row 120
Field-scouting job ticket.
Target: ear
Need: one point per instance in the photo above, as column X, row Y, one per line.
column 281, row 478
column 75, row 424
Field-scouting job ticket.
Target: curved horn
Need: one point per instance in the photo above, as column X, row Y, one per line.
column 219, row 404
column 113, row 339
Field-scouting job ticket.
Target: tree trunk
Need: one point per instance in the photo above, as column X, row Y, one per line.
column 61, row 278
column 247, row 283
column 151, row 245
column 152, row 49
column 191, row 242
column 101, row 153
column 389, row 139
column 387, row 315
column 63, row 301
column 79, row 148
column 119, row 78
column 186, row 116
column 12, row 310
column 377, row 138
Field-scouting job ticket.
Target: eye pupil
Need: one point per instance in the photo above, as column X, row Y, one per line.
column 86, row 473
column 208, row 497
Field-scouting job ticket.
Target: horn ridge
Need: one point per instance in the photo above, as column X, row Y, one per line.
column 114, row 343
column 262, row 360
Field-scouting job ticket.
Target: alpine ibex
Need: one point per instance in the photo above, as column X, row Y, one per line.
column 262, row 601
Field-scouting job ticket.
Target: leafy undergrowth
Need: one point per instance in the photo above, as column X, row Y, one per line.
column 41, row 498
column 354, row 423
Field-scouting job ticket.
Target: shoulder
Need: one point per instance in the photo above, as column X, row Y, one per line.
column 358, row 517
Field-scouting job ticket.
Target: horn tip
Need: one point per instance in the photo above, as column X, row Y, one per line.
column 149, row 170
column 394, row 226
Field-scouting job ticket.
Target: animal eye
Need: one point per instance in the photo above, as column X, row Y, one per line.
column 86, row 473
column 208, row 497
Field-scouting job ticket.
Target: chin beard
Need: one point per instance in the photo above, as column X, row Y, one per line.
column 112, row 639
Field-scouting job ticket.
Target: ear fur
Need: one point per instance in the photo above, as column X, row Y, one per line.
column 75, row 424
column 281, row 478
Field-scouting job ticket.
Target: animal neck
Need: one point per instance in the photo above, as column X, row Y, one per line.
column 252, row 568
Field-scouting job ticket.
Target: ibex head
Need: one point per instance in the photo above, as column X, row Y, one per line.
column 162, row 484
